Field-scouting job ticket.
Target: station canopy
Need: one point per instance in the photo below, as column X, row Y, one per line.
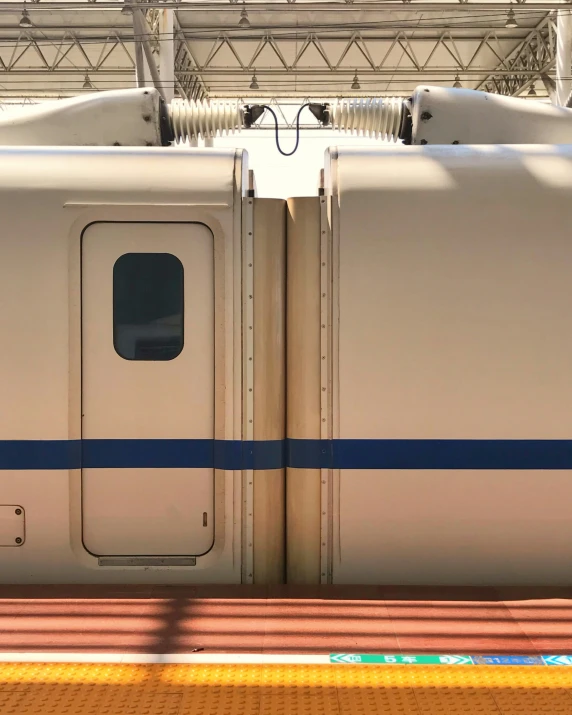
column 278, row 49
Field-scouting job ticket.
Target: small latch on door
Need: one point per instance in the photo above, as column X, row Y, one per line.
column 204, row 518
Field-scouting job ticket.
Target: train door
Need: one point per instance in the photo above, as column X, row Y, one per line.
column 147, row 389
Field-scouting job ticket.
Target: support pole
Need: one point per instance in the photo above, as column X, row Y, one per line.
column 167, row 53
column 550, row 86
column 563, row 56
column 139, row 61
column 141, row 31
column 139, row 64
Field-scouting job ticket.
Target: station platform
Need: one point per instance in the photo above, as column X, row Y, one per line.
column 185, row 650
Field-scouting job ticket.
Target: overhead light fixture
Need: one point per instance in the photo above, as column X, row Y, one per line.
column 244, row 21
column 87, row 83
column 532, row 91
column 254, row 83
column 457, row 84
column 511, row 22
column 355, row 83
column 25, row 19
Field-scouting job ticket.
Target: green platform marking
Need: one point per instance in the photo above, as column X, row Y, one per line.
column 372, row 659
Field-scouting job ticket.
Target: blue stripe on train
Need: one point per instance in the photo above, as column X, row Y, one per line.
column 141, row 454
column 298, row 453
column 425, row 454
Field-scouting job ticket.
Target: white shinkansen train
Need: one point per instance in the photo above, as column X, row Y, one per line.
column 373, row 385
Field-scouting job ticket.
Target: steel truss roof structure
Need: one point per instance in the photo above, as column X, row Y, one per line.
column 277, row 49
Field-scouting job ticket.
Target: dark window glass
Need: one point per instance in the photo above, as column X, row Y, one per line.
column 148, row 299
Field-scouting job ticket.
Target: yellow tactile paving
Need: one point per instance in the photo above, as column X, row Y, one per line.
column 205, row 689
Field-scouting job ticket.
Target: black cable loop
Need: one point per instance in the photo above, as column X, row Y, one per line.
column 297, row 129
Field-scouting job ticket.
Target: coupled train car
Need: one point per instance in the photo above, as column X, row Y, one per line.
column 367, row 386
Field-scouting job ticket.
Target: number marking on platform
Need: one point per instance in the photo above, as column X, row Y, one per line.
column 507, row 660
column 369, row 658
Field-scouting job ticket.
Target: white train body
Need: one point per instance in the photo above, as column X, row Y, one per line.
column 372, row 386
column 108, row 462
column 446, row 385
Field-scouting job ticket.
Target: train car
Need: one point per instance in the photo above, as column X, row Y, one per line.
column 135, row 447
column 429, row 359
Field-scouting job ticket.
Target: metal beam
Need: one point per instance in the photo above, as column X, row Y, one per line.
column 190, row 86
column 332, row 33
column 435, row 73
column 535, row 56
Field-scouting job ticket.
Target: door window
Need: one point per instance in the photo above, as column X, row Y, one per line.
column 148, row 300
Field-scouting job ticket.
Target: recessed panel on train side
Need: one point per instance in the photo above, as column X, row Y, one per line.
column 451, row 357
column 147, row 389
